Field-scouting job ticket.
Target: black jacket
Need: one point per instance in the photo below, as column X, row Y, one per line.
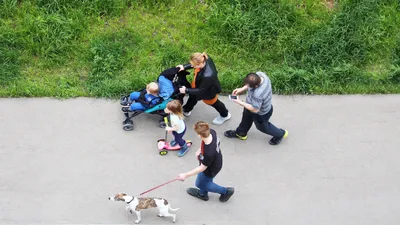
column 207, row 83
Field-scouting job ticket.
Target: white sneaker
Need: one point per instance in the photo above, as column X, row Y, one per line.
column 220, row 120
column 187, row 114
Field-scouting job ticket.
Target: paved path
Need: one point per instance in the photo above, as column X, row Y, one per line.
column 61, row 159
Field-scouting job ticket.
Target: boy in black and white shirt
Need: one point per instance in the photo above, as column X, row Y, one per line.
column 210, row 160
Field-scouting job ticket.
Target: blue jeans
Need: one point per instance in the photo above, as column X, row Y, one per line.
column 136, row 105
column 206, row 184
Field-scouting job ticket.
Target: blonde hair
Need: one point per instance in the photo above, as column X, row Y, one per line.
column 176, row 108
column 202, row 128
column 153, row 88
column 198, row 58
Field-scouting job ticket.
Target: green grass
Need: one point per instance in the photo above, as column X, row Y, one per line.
column 105, row 48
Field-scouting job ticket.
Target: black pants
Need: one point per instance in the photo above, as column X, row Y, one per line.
column 192, row 101
column 262, row 124
column 218, row 105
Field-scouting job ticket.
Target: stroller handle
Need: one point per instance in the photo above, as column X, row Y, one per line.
column 187, row 66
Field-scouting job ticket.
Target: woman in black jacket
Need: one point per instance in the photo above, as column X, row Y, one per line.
column 205, row 86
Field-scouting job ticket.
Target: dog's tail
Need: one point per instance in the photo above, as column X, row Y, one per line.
column 169, row 206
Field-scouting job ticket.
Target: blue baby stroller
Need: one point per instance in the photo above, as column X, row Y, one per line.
column 169, row 82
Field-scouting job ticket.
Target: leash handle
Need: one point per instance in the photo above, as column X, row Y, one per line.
column 159, row 186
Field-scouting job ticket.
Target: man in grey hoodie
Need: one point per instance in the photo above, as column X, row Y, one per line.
column 257, row 108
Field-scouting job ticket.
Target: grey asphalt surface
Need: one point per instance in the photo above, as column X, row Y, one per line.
column 61, row 159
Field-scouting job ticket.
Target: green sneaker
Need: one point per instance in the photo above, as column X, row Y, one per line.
column 233, row 134
column 276, row 141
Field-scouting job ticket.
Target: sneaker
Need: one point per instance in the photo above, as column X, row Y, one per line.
column 172, row 143
column 220, row 120
column 229, row 193
column 187, row 114
column 276, row 140
column 233, row 134
column 196, row 193
column 183, row 150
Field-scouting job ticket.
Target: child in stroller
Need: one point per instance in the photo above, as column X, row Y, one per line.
column 142, row 100
column 154, row 98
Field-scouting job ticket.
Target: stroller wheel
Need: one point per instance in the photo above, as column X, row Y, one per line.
column 162, row 124
column 163, row 152
column 127, row 127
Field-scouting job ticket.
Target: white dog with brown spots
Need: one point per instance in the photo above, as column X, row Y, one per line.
column 135, row 204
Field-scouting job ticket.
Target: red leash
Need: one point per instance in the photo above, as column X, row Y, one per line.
column 158, row 186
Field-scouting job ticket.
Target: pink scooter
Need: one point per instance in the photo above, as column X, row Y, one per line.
column 164, row 146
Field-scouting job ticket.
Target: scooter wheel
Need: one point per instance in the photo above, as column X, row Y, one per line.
column 163, row 152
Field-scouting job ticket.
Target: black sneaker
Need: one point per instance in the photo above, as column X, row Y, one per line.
column 196, row 193
column 276, row 140
column 229, row 193
column 233, row 134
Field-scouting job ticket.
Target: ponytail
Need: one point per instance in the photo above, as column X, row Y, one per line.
column 198, row 58
column 205, row 56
